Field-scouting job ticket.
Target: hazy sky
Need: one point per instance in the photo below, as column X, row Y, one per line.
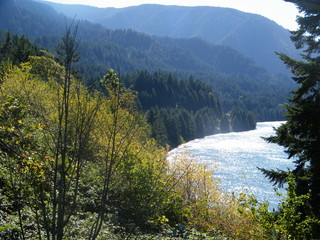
column 282, row 12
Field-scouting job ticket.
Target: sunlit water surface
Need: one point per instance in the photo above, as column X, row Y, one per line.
column 236, row 157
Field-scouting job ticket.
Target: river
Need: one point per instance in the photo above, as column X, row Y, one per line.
column 236, row 157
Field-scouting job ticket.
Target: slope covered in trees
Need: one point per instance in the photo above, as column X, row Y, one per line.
column 178, row 110
column 181, row 110
column 252, row 35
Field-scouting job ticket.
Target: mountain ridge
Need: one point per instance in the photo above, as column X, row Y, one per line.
column 252, row 35
column 54, row 24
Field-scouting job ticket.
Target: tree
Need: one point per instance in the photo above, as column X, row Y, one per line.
column 300, row 135
column 121, row 126
column 67, row 52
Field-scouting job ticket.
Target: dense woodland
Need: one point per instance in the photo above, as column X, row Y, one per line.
column 182, row 110
column 85, row 156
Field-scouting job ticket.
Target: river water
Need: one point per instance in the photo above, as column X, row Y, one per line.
column 236, row 157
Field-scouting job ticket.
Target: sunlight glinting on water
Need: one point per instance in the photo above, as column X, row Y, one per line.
column 236, row 157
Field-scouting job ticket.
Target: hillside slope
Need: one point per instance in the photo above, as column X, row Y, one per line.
column 252, row 35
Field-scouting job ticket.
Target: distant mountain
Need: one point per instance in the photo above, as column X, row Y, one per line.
column 252, row 35
column 127, row 49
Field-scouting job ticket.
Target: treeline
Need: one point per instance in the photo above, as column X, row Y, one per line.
column 181, row 110
column 167, row 91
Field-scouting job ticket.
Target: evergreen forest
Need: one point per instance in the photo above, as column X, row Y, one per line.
column 88, row 115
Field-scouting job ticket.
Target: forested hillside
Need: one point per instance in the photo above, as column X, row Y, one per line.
column 237, row 80
column 252, row 35
column 181, row 110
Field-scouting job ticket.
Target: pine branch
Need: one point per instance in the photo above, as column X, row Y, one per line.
column 278, row 177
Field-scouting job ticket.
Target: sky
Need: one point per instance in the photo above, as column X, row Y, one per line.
column 281, row 12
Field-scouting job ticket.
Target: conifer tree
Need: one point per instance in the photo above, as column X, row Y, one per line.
column 300, row 135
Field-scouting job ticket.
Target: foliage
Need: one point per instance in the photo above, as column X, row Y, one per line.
column 289, row 222
column 130, row 177
column 22, row 169
column 293, row 224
